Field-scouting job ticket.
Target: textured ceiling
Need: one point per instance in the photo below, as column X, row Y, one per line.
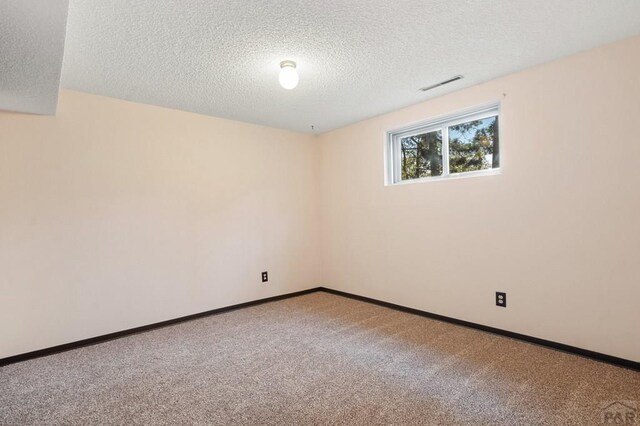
column 356, row 59
column 31, row 47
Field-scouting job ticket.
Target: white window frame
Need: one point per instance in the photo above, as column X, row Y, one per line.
column 393, row 173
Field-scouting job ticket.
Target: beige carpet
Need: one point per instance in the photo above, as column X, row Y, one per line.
column 314, row 359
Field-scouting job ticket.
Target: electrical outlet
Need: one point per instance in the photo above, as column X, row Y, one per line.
column 265, row 276
column 501, row 299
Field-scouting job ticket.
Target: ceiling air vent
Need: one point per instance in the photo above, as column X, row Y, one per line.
column 451, row 80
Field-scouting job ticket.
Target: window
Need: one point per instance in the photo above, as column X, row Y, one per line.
column 464, row 144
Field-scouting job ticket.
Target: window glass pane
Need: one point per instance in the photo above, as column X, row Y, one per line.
column 421, row 155
column 474, row 145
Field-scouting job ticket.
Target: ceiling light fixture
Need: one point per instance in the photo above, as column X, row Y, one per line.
column 288, row 77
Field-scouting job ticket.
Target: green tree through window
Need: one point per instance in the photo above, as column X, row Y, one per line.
column 466, row 143
column 474, row 146
column 421, row 155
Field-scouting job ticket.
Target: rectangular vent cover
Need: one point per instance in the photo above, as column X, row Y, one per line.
column 451, row 80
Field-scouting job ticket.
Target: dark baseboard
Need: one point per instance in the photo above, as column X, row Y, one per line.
column 609, row 359
column 116, row 335
column 621, row 362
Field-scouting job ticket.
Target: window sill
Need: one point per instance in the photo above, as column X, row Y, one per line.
column 453, row 176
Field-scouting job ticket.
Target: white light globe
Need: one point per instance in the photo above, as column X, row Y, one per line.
column 288, row 77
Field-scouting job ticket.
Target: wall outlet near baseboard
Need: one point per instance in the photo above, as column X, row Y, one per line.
column 501, row 299
column 265, row 276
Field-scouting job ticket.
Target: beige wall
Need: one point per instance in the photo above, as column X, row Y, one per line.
column 558, row 230
column 115, row 215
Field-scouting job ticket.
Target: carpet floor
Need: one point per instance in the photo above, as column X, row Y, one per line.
column 316, row 359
